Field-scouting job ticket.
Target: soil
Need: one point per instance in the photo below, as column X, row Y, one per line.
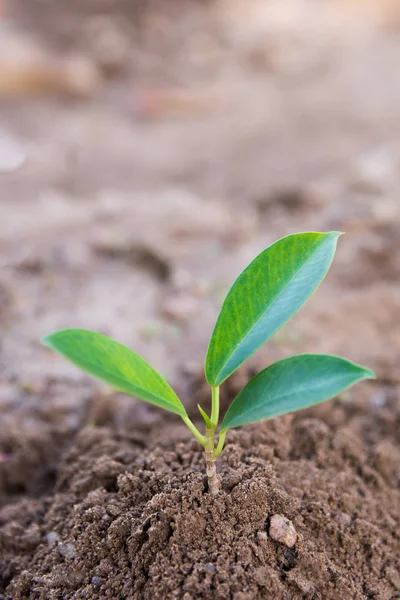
column 144, row 160
column 129, row 519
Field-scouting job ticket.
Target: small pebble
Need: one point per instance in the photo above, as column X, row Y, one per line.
column 343, row 519
column 262, row 536
column 52, row 538
column 67, row 550
column 96, row 581
column 282, row 530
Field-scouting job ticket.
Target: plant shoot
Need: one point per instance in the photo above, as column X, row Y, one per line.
column 263, row 298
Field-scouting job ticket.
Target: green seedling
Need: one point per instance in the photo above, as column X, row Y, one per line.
column 263, row 298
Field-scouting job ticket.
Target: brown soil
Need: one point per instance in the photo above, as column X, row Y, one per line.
column 129, row 515
column 152, row 172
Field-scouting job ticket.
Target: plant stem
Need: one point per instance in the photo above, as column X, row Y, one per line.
column 208, row 440
column 221, row 443
column 214, row 405
column 213, row 481
column 211, row 451
column 201, row 438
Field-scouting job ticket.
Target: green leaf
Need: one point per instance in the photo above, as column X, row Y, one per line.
column 115, row 364
column 266, row 295
column 291, row 384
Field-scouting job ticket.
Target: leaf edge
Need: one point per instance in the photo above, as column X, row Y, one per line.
column 47, row 342
column 368, row 374
column 334, row 234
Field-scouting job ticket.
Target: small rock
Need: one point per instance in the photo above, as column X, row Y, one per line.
column 52, row 538
column 262, row 536
column 343, row 519
column 305, row 586
column 96, row 581
column 67, row 550
column 282, row 530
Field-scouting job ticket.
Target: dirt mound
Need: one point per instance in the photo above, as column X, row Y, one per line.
column 128, row 521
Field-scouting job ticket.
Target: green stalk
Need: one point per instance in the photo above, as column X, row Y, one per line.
column 208, row 440
column 201, row 438
column 214, row 405
column 213, row 481
column 221, row 443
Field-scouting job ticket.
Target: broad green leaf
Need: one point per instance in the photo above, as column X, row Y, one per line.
column 115, row 364
column 266, row 295
column 291, row 384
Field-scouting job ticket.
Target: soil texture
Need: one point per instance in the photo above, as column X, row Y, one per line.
column 126, row 518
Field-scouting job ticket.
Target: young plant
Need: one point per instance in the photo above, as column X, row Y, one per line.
column 263, row 298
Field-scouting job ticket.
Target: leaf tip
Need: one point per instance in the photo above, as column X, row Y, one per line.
column 369, row 374
column 335, row 234
column 46, row 340
column 50, row 339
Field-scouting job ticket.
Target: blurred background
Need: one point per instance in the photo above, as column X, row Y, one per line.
column 148, row 151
